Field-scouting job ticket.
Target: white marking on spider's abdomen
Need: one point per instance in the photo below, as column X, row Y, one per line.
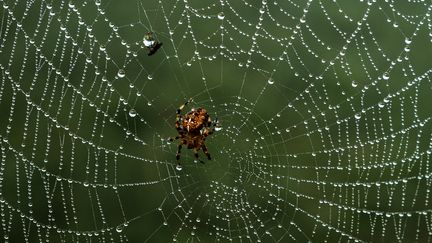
column 188, row 124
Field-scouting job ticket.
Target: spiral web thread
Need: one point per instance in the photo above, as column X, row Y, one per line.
column 324, row 108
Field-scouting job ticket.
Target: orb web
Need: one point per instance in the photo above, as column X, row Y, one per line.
column 323, row 106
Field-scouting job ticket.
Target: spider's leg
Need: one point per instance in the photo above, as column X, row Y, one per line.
column 179, row 117
column 171, row 139
column 183, row 106
column 206, row 152
column 209, row 122
column 177, row 123
column 207, row 132
column 216, row 123
column 178, row 153
column 213, row 126
column 197, row 156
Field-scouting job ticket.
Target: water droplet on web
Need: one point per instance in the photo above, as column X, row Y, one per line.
column 119, row 229
column 385, row 76
column 381, row 105
column 354, row 83
column 408, row 41
column 179, row 167
column 165, row 223
column 132, row 113
column 149, row 103
column 121, row 73
column 218, row 129
column 221, row 15
column 270, row 81
column 357, row 116
column 198, row 220
column 150, row 77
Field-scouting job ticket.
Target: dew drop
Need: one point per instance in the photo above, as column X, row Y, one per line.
column 132, row 113
column 354, row 83
column 121, row 73
column 179, row 167
column 218, row 129
column 408, row 41
column 221, row 15
column 270, row 81
column 381, row 105
column 119, row 229
column 357, row 116
column 150, row 77
column 385, row 76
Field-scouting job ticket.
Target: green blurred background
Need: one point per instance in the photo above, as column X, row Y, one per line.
column 324, row 108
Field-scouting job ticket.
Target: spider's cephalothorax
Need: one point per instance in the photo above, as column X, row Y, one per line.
column 193, row 129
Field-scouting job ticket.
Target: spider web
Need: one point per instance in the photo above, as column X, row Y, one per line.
column 324, row 108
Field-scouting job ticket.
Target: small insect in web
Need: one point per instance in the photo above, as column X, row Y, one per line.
column 151, row 44
column 193, row 129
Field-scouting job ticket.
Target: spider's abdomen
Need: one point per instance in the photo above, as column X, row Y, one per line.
column 195, row 119
column 191, row 125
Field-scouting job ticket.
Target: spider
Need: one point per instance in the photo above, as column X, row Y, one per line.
column 151, row 44
column 193, row 129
